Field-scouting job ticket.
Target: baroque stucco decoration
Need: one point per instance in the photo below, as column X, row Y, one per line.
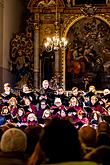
column 21, row 56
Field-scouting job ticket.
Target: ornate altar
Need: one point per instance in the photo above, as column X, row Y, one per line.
column 87, row 28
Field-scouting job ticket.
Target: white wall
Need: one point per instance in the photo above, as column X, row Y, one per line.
column 1, row 38
column 12, row 15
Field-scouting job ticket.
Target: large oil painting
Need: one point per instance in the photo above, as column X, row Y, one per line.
column 88, row 54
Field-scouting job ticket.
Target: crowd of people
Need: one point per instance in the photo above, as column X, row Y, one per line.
column 28, row 107
column 52, row 127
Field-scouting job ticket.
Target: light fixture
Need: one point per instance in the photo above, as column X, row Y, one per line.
column 56, row 42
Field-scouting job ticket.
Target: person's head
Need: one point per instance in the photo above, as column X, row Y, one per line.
column 87, row 136
column 75, row 91
column 27, row 101
column 45, row 84
column 13, row 101
column 5, row 110
column 103, row 127
column 60, row 141
column 46, row 114
column 92, row 89
column 25, row 88
column 57, row 102
column 43, row 104
column 101, row 155
column 94, row 99
column 31, row 117
column 63, row 113
column 86, row 98
column 20, row 112
column 7, row 87
column 103, row 139
column 73, row 101
column 80, row 114
column 60, row 91
column 13, row 140
column 33, row 134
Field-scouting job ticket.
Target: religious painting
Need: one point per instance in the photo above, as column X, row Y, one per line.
column 88, row 54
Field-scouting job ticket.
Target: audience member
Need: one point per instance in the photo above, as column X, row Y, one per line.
column 13, row 145
column 33, row 135
column 100, row 155
column 103, row 127
column 87, row 137
column 59, row 143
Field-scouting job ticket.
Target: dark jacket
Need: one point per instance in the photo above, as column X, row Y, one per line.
column 12, row 158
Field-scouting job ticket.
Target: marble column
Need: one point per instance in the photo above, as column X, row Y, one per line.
column 36, row 56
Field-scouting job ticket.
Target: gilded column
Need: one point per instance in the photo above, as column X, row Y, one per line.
column 107, row 1
column 57, row 52
column 57, row 61
column 36, row 56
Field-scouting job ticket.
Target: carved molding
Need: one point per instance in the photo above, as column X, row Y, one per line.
column 22, row 55
column 88, row 10
column 104, row 17
column 44, row 3
column 36, row 26
column 69, row 20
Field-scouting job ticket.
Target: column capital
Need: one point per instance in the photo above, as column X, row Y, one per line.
column 36, row 25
